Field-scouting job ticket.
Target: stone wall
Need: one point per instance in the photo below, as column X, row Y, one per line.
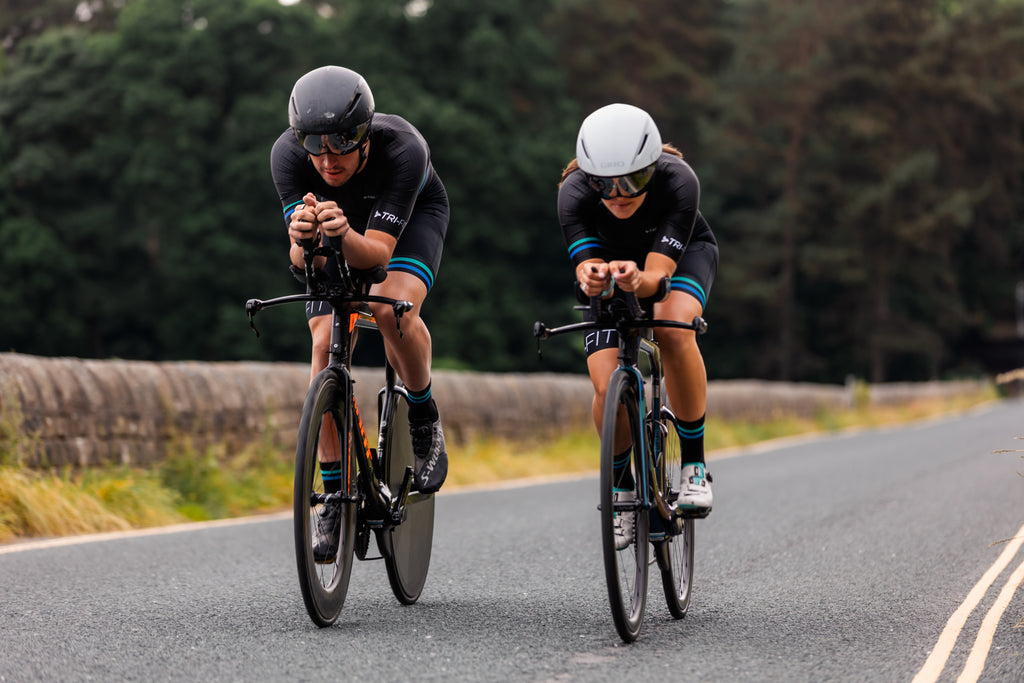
column 89, row 412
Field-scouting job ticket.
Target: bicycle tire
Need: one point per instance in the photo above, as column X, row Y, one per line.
column 325, row 411
column 625, row 570
column 675, row 553
column 405, row 547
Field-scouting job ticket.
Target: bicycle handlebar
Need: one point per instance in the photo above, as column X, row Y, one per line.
column 328, row 289
column 611, row 313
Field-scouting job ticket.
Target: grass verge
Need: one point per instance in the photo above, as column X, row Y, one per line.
column 205, row 484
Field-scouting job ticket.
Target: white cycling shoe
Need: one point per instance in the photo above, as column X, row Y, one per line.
column 623, row 521
column 695, row 496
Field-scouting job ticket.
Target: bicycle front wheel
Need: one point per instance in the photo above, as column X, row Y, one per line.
column 405, row 547
column 675, row 552
column 625, row 569
column 323, row 429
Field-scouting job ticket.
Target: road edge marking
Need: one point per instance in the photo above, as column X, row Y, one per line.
column 62, row 541
column 975, row 664
column 936, row 661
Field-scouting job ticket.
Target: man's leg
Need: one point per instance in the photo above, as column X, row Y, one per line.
column 409, row 352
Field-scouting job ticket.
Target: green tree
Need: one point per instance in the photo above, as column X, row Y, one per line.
column 139, row 166
column 492, row 106
column 865, row 208
column 21, row 19
column 659, row 55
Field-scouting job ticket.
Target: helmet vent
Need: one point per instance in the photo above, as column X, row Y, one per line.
column 352, row 105
column 643, row 142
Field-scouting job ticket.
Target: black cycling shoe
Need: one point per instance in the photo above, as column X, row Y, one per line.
column 431, row 457
column 327, row 533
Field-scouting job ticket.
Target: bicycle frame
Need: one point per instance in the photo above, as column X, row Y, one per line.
column 346, row 301
column 630, row 518
column 636, row 337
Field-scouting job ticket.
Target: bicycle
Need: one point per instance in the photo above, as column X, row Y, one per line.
column 376, row 484
column 656, row 465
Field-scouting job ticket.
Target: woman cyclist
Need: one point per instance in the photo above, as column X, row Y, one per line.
column 628, row 207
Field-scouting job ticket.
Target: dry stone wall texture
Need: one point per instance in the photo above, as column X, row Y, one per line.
column 93, row 412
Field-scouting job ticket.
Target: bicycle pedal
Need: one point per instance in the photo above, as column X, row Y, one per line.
column 692, row 513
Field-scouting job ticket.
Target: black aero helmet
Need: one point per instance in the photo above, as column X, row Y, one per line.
column 331, row 106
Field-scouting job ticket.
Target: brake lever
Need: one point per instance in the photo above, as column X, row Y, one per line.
column 251, row 308
column 540, row 333
column 401, row 308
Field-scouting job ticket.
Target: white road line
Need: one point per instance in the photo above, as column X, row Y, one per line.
column 936, row 661
column 135, row 533
column 976, row 661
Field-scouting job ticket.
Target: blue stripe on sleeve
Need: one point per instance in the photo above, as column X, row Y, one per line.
column 582, row 245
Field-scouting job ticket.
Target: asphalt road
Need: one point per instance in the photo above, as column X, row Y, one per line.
column 831, row 559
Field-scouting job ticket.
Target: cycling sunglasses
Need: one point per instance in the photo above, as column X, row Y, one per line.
column 630, row 185
column 333, row 143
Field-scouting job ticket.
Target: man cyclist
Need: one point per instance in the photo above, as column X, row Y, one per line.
column 628, row 207
column 365, row 178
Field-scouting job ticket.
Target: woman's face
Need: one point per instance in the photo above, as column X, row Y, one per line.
column 623, row 207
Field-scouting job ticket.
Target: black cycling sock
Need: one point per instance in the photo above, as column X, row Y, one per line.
column 330, row 472
column 622, row 473
column 691, row 439
column 421, row 405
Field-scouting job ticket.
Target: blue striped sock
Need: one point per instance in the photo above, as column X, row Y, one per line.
column 421, row 404
column 691, row 439
column 330, row 472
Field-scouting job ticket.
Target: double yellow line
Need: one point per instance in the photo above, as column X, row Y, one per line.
column 975, row 664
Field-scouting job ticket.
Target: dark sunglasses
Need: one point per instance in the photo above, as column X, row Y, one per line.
column 333, row 143
column 630, row 185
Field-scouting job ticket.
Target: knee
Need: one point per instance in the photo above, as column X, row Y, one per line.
column 321, row 345
column 682, row 342
column 388, row 322
column 383, row 314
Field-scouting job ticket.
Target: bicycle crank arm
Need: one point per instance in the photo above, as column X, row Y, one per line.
column 398, row 507
column 325, row 498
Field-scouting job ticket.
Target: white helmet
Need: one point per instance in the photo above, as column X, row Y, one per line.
column 618, row 140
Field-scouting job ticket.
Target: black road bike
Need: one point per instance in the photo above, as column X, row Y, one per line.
column 376, row 483
column 659, row 527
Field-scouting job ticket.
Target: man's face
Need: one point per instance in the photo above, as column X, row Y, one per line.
column 336, row 169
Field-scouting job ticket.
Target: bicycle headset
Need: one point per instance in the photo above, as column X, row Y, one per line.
column 618, row 143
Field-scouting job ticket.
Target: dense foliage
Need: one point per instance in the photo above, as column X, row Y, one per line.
column 861, row 164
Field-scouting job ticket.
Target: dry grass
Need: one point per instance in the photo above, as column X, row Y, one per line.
column 208, row 485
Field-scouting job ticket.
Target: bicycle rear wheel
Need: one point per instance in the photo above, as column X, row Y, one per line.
column 625, row 570
column 675, row 553
column 324, row 426
column 406, row 547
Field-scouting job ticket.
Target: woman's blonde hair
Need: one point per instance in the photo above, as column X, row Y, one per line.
column 573, row 165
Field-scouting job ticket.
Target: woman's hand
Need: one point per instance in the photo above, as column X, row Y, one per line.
column 593, row 278
column 627, row 275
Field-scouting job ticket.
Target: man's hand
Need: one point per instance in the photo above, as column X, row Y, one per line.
column 303, row 224
column 331, row 219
